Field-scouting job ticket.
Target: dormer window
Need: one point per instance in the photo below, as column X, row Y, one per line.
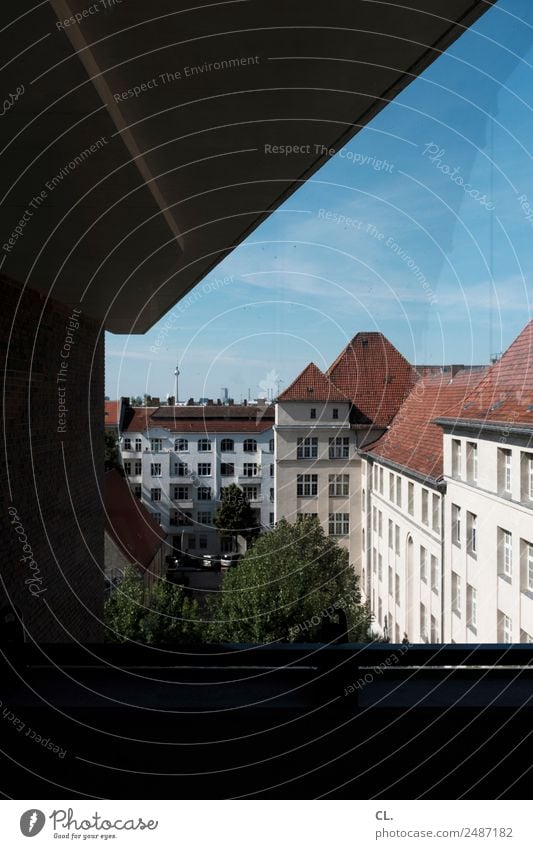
column 364, row 343
column 312, row 414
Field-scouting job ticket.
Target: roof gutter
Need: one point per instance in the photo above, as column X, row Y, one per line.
column 482, row 424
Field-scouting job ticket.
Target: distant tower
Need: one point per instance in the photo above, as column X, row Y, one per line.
column 176, row 375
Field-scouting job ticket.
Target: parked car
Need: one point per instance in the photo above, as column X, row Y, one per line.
column 228, row 560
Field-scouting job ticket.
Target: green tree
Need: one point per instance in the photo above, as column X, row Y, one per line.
column 234, row 515
column 290, row 586
column 111, row 453
column 163, row 616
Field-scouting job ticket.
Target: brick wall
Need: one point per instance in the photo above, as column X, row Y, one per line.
column 50, row 481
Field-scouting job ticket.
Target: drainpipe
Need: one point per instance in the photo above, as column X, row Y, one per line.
column 442, row 489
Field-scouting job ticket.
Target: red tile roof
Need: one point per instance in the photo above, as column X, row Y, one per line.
column 374, row 375
column 505, row 395
column 312, row 385
column 215, row 419
column 112, row 413
column 413, row 441
column 129, row 524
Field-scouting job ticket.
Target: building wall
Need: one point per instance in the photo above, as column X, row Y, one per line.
column 480, row 566
column 199, row 538
column 116, row 562
column 402, row 553
column 51, row 512
column 293, row 422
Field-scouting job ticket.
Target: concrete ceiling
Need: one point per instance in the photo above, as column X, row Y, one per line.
column 181, row 175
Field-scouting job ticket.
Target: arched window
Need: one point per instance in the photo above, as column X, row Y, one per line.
column 181, row 445
column 250, row 445
column 227, row 445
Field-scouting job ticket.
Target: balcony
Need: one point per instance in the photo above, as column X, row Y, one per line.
column 183, row 503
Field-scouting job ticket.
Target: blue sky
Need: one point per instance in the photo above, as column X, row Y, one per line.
column 437, row 253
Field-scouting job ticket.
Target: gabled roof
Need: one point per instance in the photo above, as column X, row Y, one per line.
column 312, row 385
column 373, row 374
column 112, row 413
column 413, row 441
column 505, row 394
column 129, row 524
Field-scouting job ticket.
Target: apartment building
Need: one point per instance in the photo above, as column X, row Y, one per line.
column 403, row 521
column 488, row 517
column 178, row 459
column 323, row 419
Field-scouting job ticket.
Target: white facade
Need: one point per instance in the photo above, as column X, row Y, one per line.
column 401, row 550
column 489, row 535
column 318, row 469
column 179, row 476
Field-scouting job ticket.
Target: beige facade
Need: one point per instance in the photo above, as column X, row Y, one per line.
column 318, row 469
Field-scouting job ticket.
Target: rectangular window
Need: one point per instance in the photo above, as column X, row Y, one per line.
column 272, row 493
column 181, row 469
column 270, row 518
column 456, row 524
column 411, row 498
column 398, row 491
column 435, row 512
column 397, row 539
column 307, row 447
column 138, row 467
column 204, row 445
column 127, row 467
column 157, row 517
column 137, row 490
column 423, row 623
column 227, row 470
column 335, row 413
column 391, row 487
column 375, row 476
column 505, row 553
column 381, row 480
column 471, row 533
column 191, row 542
column 249, row 470
column 312, row 414
column 127, row 443
column 526, row 555
column 380, row 524
column 434, row 574
column 205, row 517
column 155, row 494
column 339, row 485
column 471, row 461
column 374, row 560
column 204, row 469
column 471, row 607
column 425, row 506
column 380, row 567
column 391, row 585
column 138, row 444
column 456, row 593
column 181, row 493
column 204, row 493
column 339, row 448
column 272, row 470
column 504, row 471
column 156, row 445
column 306, row 485
column 391, row 534
column 251, row 492
column 423, row 564
column 155, row 470
column 380, row 611
column 456, row 458
column 434, row 630
column 363, row 500
column 202, row 542
column 374, row 519
column 397, row 587
column 181, row 444
column 505, row 628
column 339, row 524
